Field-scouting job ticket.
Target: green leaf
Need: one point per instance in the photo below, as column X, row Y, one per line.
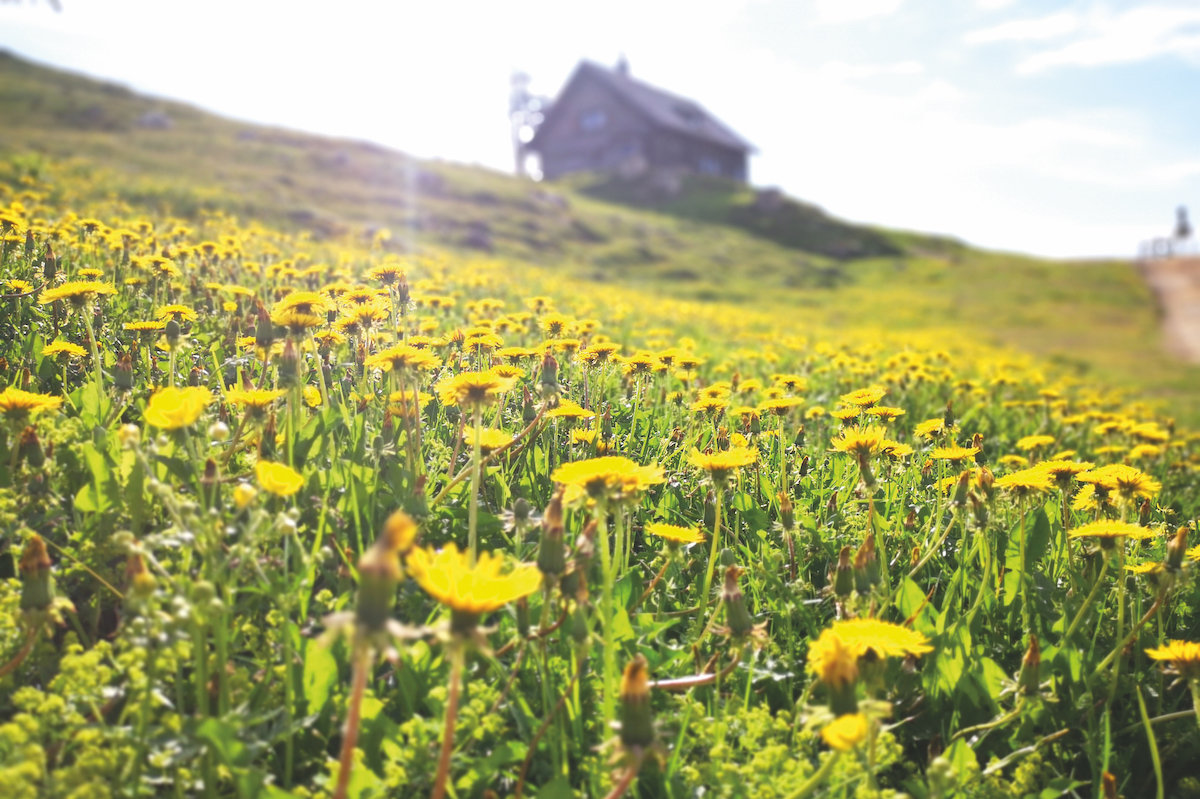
column 320, row 675
column 558, row 788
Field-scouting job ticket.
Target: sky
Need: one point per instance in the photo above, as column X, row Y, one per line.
column 1066, row 128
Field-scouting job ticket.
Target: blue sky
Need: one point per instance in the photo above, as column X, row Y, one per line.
column 1057, row 128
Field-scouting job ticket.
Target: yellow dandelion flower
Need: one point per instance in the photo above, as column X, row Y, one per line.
column 609, row 476
column 1029, row 443
column 490, row 439
column 257, row 400
column 881, row 638
column 175, row 408
column 180, row 313
column 885, row 413
column 1111, row 529
column 63, row 348
column 1026, row 481
column 780, row 406
column 864, row 397
column 846, row 731
column 1126, row 481
column 954, row 453
column 723, row 463
column 473, row 389
column 846, row 414
column 278, row 478
column 78, row 292
column 402, row 358
column 448, row 576
column 1183, row 655
column 570, row 410
column 18, row 404
column 832, row 660
column 930, row 428
column 860, row 441
column 675, row 533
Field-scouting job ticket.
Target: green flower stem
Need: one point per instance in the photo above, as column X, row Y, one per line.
column 818, row 778
column 97, row 365
column 1194, row 684
column 456, row 654
column 714, row 548
column 1087, row 603
column 476, row 475
column 362, row 666
column 1026, row 599
column 606, row 611
column 1133, row 633
column 1122, row 579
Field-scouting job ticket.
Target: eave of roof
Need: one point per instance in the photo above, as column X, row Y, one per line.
column 660, row 107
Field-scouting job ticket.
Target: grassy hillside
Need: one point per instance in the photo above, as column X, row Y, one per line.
column 1096, row 319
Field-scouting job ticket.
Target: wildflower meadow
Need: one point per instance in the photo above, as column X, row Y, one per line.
column 283, row 516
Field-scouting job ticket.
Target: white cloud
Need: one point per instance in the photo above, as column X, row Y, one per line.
column 838, row 11
column 1135, row 35
column 1019, row 30
column 841, row 70
column 993, row 5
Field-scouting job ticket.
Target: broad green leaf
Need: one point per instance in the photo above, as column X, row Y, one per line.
column 320, row 675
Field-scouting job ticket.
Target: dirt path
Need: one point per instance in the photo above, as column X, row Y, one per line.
column 1176, row 284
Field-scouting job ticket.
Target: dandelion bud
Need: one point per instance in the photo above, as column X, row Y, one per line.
column 585, row 544
column 1176, row 548
column 1028, row 680
column 980, row 509
column 266, row 441
column 29, row 243
column 960, row 490
column 1108, row 783
column 727, row 558
column 948, row 417
column 866, row 566
column 552, row 554
column 737, row 615
column 910, row 521
column 31, row 448
column 803, row 470
column 379, row 572
column 141, row 582
column 528, row 411
column 549, row 378
column 787, row 512
column 987, row 482
column 1144, row 513
column 577, row 625
column 523, row 617
column 843, row 581
column 798, row 440
column 637, row 721
column 37, row 587
column 123, row 374
column 50, row 265
column 980, row 456
column 172, row 332
column 403, row 294
column 606, row 425
column 289, row 365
